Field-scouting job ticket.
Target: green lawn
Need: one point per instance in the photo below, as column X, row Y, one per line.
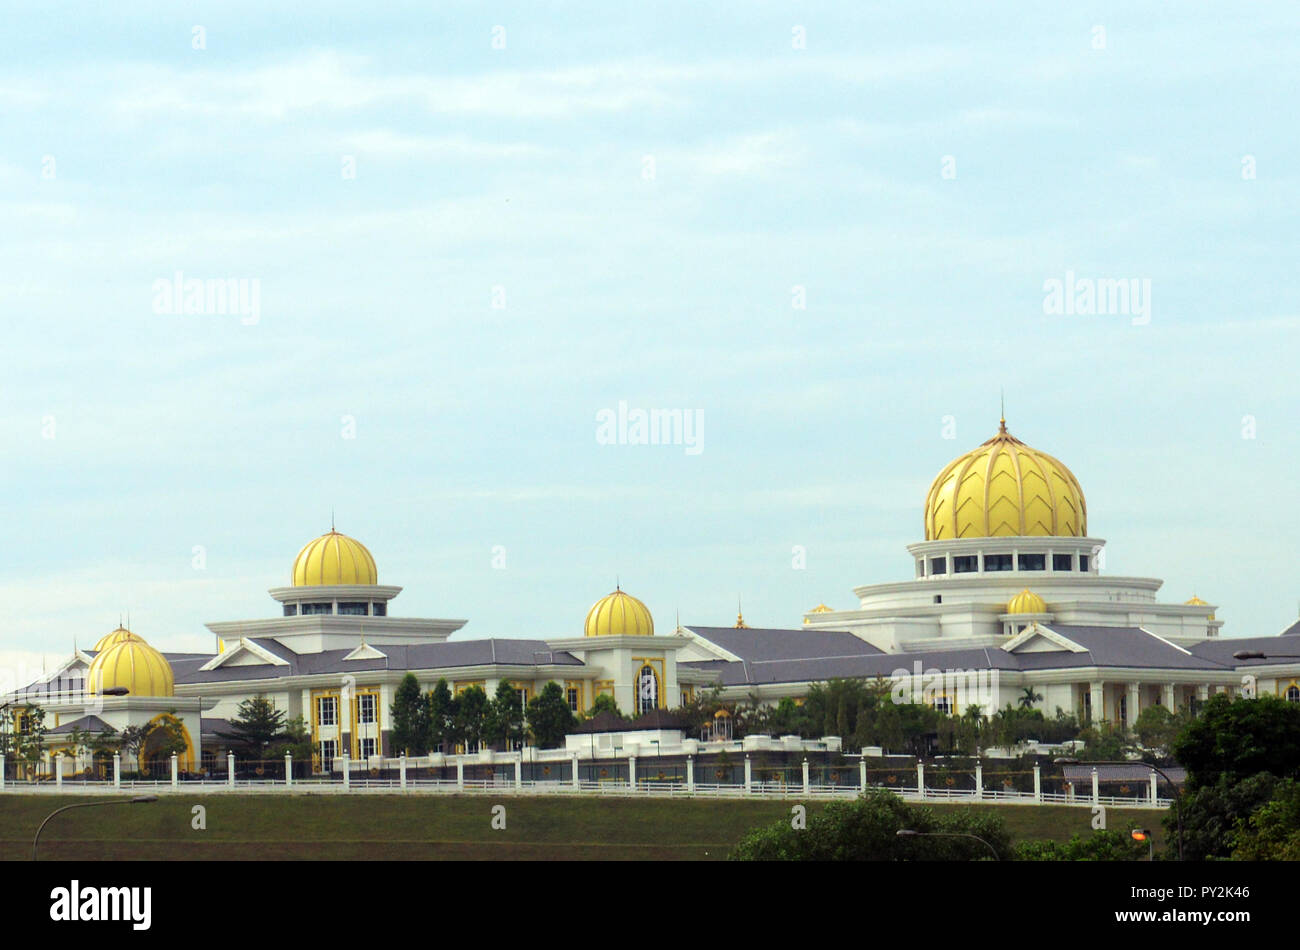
column 426, row 827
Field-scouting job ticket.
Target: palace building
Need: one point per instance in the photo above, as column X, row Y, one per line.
column 1008, row 592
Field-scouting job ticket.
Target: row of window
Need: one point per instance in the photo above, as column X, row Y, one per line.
column 970, row 563
column 357, row 608
column 327, row 709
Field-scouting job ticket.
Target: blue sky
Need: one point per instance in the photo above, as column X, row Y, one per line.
column 523, row 170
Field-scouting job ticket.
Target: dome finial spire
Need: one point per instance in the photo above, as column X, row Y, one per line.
column 1002, row 398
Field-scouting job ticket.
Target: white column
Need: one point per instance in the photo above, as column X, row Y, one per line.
column 230, row 769
column 1168, row 690
column 577, row 783
column 519, row 772
column 979, row 780
column 347, row 771
column 1131, row 705
column 288, row 768
column 1096, row 786
column 401, row 766
column 862, row 773
column 807, row 784
column 117, row 770
column 631, row 772
column 920, row 778
column 460, row 774
column 749, row 775
column 1203, row 692
column 57, row 762
column 1038, row 783
column 175, row 769
column 1154, row 790
column 1097, row 695
column 690, row 773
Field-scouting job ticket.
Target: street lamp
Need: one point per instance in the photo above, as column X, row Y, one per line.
column 138, row 800
column 1256, row 655
column 1178, row 790
column 1144, row 834
column 909, row 833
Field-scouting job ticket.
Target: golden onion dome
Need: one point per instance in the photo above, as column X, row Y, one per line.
column 1026, row 602
column 120, row 635
column 132, row 665
column 1004, row 488
column 1197, row 602
column 619, row 615
column 334, row 559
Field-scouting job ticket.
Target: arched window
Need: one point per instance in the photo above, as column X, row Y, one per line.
column 647, row 689
column 1293, row 693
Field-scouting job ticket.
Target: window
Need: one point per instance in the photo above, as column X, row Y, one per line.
column 353, row 609
column 1033, row 562
column 647, row 689
column 1062, row 562
column 938, row 565
column 379, row 610
column 291, row 610
column 328, row 749
column 366, row 708
column 571, row 697
column 966, row 564
column 938, row 598
column 1083, row 562
column 317, row 609
column 367, row 747
column 943, row 704
column 327, row 711
column 997, row 562
column 1293, row 693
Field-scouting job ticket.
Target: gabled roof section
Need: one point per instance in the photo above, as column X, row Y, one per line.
column 245, row 653
column 364, row 651
column 1037, row 638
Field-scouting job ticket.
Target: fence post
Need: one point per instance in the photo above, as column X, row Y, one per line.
column 749, row 776
column 230, row 769
column 690, row 773
column 117, row 770
column 1154, row 791
column 2, row 772
column 577, row 782
column 57, row 762
column 347, row 772
column 862, row 769
column 519, row 772
column 979, row 780
column 288, row 769
column 401, row 766
column 807, row 785
column 631, row 772
column 920, row 778
column 1038, row 783
column 175, row 768
column 460, row 774
column 1096, row 786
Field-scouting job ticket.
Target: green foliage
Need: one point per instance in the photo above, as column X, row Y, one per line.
column 604, row 703
column 409, row 714
column 503, row 723
column 1235, row 740
column 469, row 717
column 256, row 726
column 441, row 715
column 1103, row 845
column 1272, row 832
column 866, row 829
column 165, row 736
column 549, row 716
column 1157, row 728
column 1212, row 814
column 1104, row 742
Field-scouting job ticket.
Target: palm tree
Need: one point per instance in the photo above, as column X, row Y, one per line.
column 1029, row 698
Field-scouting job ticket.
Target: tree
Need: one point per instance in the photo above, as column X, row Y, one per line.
column 257, row 725
column 866, row 829
column 1103, row 845
column 549, row 716
column 441, row 715
column 471, row 717
column 604, row 702
column 29, row 740
column 1213, row 813
column 295, row 740
column 1234, row 740
column 1272, row 832
column 1157, row 728
column 409, row 713
column 165, row 736
column 1028, row 697
column 504, row 717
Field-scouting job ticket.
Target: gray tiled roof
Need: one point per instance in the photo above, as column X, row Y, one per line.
column 85, row 724
column 764, row 643
column 1136, row 772
column 418, row 656
column 1221, row 650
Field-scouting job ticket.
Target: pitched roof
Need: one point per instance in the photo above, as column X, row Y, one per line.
column 85, row 724
column 771, row 643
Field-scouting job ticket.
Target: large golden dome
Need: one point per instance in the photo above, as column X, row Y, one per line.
column 134, row 665
column 1005, row 488
column 619, row 615
column 1026, row 602
column 334, row 559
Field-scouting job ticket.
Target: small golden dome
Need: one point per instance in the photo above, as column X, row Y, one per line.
column 120, row 635
column 1004, row 488
column 1026, row 602
column 1197, row 602
column 820, row 609
column 619, row 615
column 134, row 665
column 334, row 559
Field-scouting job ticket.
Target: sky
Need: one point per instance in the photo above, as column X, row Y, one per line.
column 825, row 232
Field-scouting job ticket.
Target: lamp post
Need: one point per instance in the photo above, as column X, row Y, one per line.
column 1144, row 834
column 909, row 833
column 138, row 800
column 1178, row 790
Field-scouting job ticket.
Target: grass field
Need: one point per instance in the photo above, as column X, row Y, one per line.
column 426, row 827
